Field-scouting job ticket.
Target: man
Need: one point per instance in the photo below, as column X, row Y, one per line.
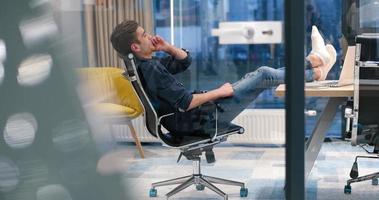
column 168, row 95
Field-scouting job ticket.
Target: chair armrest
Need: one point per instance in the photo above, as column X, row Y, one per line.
column 212, row 106
column 207, row 107
column 163, row 116
column 160, row 119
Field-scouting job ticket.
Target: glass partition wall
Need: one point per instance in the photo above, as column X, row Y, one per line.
column 189, row 24
column 215, row 63
column 317, row 12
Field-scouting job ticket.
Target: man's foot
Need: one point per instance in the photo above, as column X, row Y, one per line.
column 314, row 60
column 324, row 69
column 319, row 55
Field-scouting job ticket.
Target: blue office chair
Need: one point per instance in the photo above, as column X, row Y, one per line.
column 191, row 147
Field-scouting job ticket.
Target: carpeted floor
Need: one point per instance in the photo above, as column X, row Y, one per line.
column 261, row 168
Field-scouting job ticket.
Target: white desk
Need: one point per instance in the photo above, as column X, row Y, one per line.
column 336, row 97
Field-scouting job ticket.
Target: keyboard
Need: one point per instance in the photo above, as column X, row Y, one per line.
column 322, row 84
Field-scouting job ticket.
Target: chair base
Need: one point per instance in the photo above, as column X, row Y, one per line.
column 200, row 181
column 354, row 172
column 373, row 177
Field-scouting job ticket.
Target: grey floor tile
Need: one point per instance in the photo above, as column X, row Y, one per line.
column 261, row 168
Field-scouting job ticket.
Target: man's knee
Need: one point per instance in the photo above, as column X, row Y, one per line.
column 261, row 72
column 264, row 69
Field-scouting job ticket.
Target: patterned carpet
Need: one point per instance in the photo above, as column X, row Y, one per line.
column 261, row 168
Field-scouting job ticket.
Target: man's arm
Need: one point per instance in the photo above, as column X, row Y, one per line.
column 161, row 45
column 178, row 53
column 178, row 61
column 225, row 90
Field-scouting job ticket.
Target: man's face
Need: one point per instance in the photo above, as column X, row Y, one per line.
column 145, row 46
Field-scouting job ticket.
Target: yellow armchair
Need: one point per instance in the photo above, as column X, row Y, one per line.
column 112, row 96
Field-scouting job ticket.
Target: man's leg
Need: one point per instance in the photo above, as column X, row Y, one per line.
column 248, row 89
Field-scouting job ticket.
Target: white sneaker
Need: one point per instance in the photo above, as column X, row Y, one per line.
column 328, row 66
column 318, row 47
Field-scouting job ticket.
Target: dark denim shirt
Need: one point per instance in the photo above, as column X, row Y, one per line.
column 165, row 92
column 168, row 95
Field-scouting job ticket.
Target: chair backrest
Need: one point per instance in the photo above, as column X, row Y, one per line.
column 151, row 117
column 109, row 85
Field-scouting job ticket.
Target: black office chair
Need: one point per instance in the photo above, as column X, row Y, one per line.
column 370, row 133
column 365, row 127
column 191, row 147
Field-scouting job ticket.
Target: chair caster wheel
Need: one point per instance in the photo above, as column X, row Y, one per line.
column 374, row 181
column 243, row 192
column 200, row 187
column 347, row 189
column 153, row 192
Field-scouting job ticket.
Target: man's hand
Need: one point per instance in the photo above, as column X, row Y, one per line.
column 160, row 44
column 225, row 90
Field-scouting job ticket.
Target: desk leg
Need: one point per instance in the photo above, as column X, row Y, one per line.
column 313, row 145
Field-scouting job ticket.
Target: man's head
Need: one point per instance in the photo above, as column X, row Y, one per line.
column 129, row 37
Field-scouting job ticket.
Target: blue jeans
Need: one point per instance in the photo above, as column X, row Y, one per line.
column 248, row 88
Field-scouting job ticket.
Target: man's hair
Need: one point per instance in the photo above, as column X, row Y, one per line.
column 123, row 36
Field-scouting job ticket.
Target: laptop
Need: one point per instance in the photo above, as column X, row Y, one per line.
column 346, row 76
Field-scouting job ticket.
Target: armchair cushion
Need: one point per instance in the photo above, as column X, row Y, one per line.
column 111, row 109
column 110, row 91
